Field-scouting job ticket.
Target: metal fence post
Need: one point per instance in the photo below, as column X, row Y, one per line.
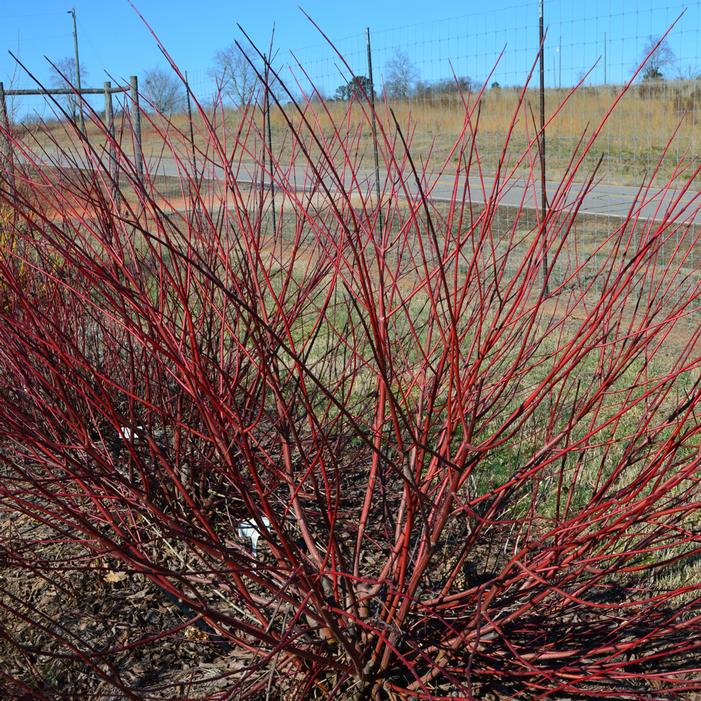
column 81, row 117
column 543, row 191
column 189, row 120
column 111, row 154
column 374, row 132
column 136, row 125
column 269, row 132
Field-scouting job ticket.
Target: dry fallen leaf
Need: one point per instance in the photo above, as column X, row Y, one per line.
column 194, row 633
column 115, row 577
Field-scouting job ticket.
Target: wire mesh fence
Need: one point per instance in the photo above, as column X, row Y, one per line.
column 425, row 70
column 422, row 68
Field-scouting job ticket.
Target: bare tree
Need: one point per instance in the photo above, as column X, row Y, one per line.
column 400, row 75
column 660, row 58
column 688, row 73
column 164, row 90
column 357, row 88
column 235, row 75
column 445, row 86
column 64, row 77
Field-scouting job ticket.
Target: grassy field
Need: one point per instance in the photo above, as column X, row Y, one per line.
column 632, row 142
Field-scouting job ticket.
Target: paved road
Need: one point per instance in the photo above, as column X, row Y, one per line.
column 601, row 200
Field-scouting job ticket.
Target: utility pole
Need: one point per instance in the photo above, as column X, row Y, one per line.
column 77, row 71
column 543, row 193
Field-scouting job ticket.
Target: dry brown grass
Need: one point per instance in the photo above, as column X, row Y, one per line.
column 632, row 142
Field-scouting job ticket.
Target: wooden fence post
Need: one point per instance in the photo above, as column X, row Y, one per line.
column 5, row 143
column 136, row 123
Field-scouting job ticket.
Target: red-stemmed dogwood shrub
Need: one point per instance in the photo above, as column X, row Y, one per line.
column 424, row 446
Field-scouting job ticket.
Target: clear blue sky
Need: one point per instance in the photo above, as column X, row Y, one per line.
column 468, row 35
